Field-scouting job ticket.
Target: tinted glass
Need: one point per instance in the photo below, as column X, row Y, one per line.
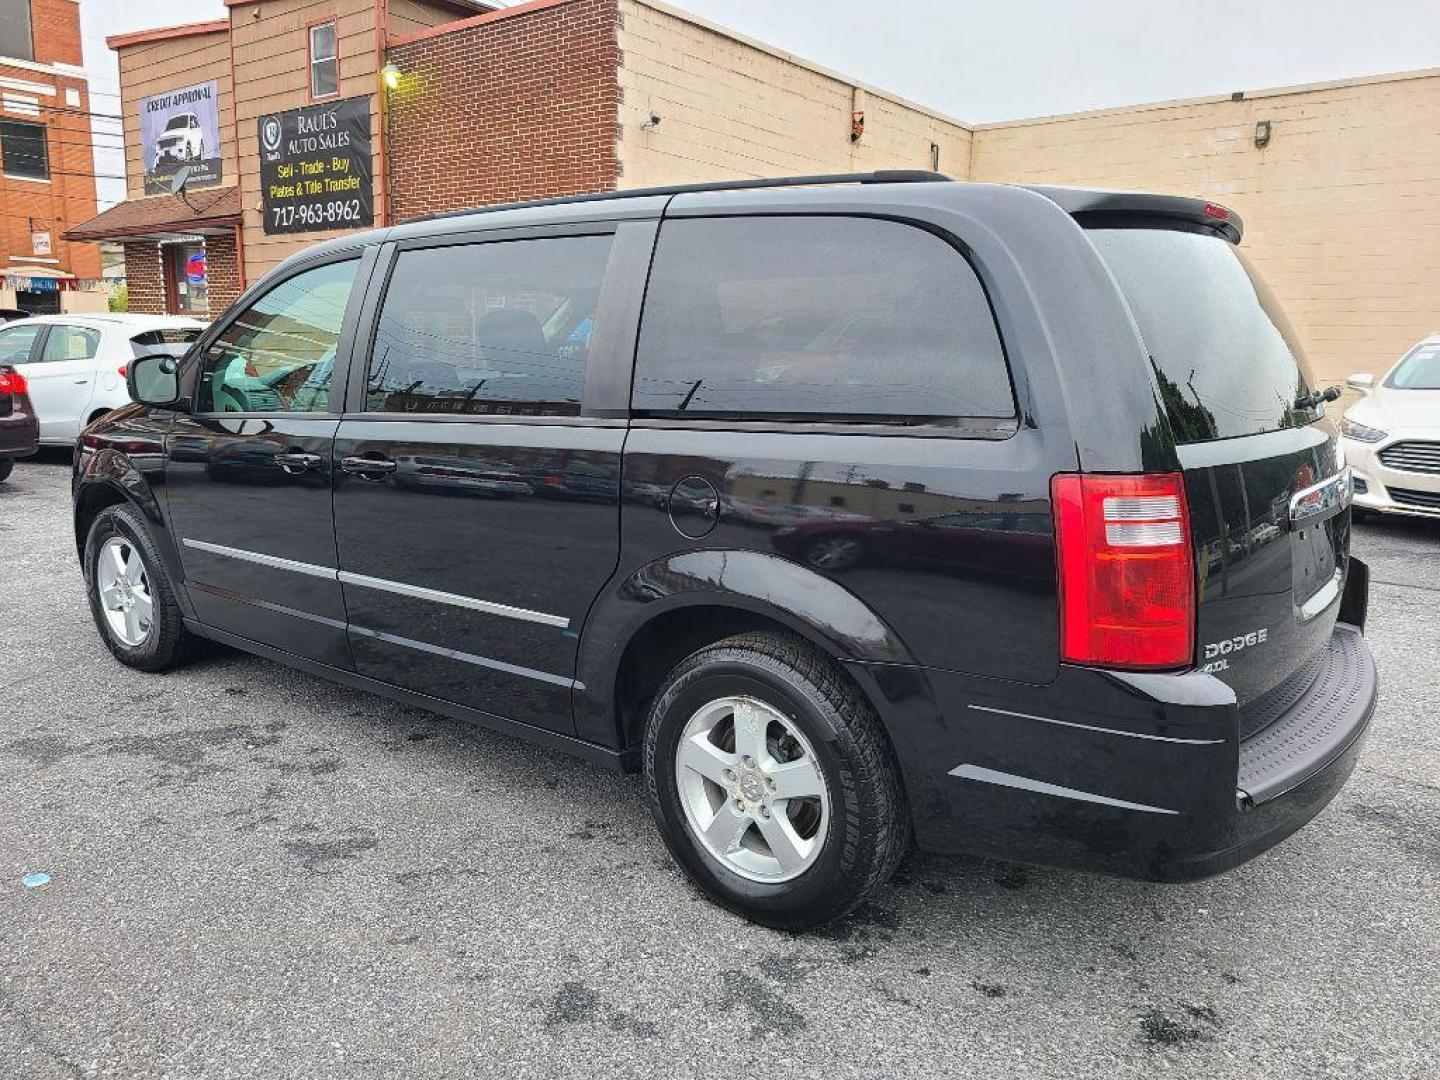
column 1418, row 371
column 501, row 328
column 278, row 354
column 23, row 148
column 324, row 67
column 816, row 318
column 155, row 339
column 16, row 39
column 71, row 343
column 16, row 343
column 1226, row 359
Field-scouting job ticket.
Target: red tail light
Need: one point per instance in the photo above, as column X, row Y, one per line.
column 12, row 382
column 1127, row 576
column 124, row 370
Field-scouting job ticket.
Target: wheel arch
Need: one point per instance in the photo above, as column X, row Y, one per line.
column 112, row 479
column 648, row 621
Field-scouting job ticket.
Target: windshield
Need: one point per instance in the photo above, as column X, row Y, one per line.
column 1418, row 371
column 1225, row 358
column 177, row 123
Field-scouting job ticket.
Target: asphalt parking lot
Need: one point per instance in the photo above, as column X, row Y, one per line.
column 254, row 873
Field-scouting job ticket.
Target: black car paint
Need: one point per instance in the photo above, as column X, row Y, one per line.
column 962, row 664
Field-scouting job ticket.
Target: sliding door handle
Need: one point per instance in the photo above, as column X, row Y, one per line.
column 368, row 468
column 296, row 462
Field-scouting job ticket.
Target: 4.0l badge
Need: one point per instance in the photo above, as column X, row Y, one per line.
column 1215, row 651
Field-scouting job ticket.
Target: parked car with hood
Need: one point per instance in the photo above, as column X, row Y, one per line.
column 1392, row 436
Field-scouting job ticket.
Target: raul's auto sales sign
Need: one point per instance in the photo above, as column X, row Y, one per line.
column 315, row 167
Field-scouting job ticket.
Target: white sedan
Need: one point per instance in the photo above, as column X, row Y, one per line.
column 75, row 364
column 1392, row 435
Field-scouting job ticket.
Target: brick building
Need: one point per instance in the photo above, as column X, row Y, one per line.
column 47, row 182
column 468, row 106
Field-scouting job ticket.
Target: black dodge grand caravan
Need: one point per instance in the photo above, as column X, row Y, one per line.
column 850, row 509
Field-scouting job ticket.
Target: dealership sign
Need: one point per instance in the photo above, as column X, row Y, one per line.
column 181, row 129
column 315, row 167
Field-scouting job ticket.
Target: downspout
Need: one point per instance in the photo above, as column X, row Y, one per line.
column 239, row 180
column 382, row 28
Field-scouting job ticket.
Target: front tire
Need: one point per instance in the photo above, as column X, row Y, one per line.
column 773, row 783
column 7, row 466
column 130, row 597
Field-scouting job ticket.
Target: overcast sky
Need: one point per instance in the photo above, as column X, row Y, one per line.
column 979, row 60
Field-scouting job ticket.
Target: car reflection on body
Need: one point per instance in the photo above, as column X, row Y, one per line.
column 962, row 540
column 462, row 475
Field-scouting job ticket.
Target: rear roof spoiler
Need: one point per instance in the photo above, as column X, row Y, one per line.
column 1085, row 203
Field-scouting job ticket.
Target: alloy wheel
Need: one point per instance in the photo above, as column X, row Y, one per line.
column 752, row 789
column 124, row 592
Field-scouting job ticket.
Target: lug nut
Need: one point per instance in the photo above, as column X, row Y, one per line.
column 764, row 811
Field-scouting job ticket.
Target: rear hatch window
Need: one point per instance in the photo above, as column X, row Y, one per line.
column 1225, row 357
column 1228, row 368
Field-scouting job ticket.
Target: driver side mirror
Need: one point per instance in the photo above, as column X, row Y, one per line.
column 1363, row 383
column 154, row 380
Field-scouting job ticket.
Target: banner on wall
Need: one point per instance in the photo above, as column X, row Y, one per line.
column 315, row 168
column 181, row 128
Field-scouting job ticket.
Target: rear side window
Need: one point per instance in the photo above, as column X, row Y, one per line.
column 71, row 343
column 816, row 318
column 170, row 335
column 502, row 328
column 1225, row 357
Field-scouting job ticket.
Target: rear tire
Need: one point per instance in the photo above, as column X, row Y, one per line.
column 836, row 838
column 7, row 466
column 130, row 597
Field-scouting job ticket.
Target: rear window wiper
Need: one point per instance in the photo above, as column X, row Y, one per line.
column 1317, row 398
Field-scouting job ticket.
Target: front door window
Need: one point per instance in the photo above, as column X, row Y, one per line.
column 278, row 354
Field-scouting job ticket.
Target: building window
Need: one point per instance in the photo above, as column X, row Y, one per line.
column 16, row 41
column 23, row 150
column 324, row 63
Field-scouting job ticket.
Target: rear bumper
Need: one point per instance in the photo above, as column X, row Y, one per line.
column 19, row 435
column 1141, row 776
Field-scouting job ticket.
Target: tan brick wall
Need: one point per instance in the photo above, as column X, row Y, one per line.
column 504, row 109
column 1341, row 209
column 731, row 107
column 144, row 278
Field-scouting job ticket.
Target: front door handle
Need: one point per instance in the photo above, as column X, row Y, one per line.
column 296, row 462
column 367, row 468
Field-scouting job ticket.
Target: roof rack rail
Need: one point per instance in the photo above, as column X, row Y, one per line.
column 879, row 176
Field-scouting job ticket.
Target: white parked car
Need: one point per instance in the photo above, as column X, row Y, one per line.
column 75, row 364
column 1392, row 435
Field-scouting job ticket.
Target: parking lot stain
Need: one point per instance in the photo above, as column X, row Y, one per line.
column 990, row 990
column 576, row 1003
column 44, row 750
column 771, row 1014
column 1163, row 1029
column 1012, row 877
column 319, row 856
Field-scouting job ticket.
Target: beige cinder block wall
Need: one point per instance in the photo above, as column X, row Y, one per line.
column 732, row 107
column 1341, row 209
